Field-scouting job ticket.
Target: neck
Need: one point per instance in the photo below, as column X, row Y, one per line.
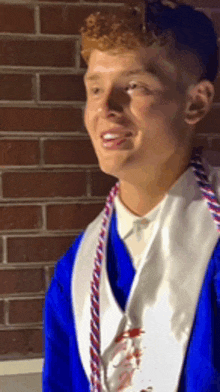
column 141, row 196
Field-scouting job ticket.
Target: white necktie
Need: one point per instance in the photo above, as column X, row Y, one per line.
column 136, row 242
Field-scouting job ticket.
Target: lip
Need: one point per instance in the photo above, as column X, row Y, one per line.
column 119, row 131
column 115, row 144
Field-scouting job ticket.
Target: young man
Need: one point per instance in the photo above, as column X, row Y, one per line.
column 152, row 320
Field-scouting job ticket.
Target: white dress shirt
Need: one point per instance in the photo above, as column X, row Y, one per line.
column 134, row 230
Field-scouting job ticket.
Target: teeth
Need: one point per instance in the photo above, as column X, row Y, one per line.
column 110, row 136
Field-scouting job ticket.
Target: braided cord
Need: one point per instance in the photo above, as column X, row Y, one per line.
column 95, row 323
column 214, row 208
column 206, row 189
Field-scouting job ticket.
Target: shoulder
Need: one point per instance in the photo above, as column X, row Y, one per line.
column 64, row 267
column 63, row 270
column 57, row 308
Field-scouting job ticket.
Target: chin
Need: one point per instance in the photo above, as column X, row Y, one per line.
column 111, row 170
column 111, row 166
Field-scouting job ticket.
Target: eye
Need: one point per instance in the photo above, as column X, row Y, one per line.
column 94, row 90
column 135, row 86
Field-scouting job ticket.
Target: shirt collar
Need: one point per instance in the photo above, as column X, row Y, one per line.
column 126, row 219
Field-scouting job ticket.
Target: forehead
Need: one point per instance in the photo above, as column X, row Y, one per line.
column 147, row 60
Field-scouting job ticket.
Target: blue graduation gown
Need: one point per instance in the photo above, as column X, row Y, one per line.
column 63, row 370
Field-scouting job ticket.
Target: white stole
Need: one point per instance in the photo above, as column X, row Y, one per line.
column 165, row 289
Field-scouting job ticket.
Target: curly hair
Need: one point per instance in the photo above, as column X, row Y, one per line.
column 143, row 23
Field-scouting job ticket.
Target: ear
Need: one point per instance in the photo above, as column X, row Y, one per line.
column 199, row 101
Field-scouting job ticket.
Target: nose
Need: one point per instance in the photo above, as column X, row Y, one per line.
column 113, row 103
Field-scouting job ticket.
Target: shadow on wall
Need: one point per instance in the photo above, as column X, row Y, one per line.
column 21, row 383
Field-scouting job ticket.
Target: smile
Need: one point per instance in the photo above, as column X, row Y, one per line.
column 113, row 136
column 115, row 142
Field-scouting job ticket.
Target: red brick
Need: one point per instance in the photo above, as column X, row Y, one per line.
column 82, row 63
column 62, row 88
column 21, row 342
column 37, row 249
column 19, row 152
column 66, row 151
column 16, row 87
column 64, row 19
column 1, row 250
column 21, row 280
column 25, row 311
column 20, row 217
column 102, row 183
column 43, row 184
column 71, row 216
column 47, row 53
column 41, row 120
column 211, row 123
column 1, row 312
column 16, row 19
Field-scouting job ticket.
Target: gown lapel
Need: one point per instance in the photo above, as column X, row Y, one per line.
column 119, row 265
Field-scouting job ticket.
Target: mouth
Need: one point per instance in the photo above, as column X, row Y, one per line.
column 110, row 136
column 115, row 140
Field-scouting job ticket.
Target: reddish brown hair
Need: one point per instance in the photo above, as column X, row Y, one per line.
column 163, row 22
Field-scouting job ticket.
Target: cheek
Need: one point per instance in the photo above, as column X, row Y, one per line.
column 151, row 116
column 86, row 116
column 161, row 112
column 161, row 123
column 89, row 119
column 141, row 111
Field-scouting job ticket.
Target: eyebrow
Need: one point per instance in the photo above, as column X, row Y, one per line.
column 98, row 75
column 152, row 68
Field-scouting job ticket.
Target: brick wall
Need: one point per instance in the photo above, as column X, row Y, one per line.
column 50, row 184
